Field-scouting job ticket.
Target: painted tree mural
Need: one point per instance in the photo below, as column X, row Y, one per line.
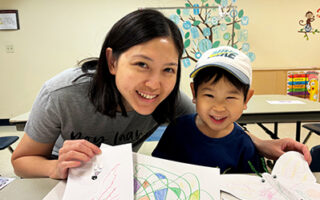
column 207, row 24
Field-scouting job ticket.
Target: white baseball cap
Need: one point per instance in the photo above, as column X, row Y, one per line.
column 229, row 59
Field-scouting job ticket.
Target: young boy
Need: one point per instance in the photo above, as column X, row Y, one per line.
column 221, row 91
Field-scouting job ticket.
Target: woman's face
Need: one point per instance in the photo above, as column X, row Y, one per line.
column 145, row 74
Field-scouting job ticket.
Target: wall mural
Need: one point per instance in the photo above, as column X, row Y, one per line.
column 306, row 23
column 208, row 24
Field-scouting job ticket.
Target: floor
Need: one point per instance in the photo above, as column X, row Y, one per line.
column 285, row 130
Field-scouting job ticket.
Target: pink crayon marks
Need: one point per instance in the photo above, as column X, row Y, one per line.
column 110, row 183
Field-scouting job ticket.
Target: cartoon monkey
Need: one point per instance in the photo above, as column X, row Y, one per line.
column 310, row 18
column 313, row 87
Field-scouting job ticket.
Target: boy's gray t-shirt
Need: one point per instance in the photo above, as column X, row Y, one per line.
column 63, row 110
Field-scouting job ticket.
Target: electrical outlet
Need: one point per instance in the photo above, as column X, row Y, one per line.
column 9, row 48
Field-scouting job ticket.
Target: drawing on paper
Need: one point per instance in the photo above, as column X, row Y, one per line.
column 160, row 184
column 291, row 178
column 109, row 190
column 106, row 176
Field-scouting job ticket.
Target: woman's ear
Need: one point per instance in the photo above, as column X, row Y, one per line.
column 193, row 93
column 111, row 61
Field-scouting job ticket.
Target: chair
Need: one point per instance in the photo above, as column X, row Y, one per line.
column 315, row 154
column 313, row 128
column 7, row 141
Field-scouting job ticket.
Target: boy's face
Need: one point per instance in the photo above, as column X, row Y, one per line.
column 218, row 106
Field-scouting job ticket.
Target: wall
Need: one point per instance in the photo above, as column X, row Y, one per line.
column 272, row 81
column 55, row 34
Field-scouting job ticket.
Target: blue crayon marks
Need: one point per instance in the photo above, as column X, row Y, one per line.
column 160, row 184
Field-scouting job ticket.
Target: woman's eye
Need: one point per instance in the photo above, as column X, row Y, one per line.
column 170, row 70
column 141, row 64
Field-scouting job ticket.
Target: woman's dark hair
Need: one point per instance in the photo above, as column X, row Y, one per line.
column 135, row 28
column 206, row 74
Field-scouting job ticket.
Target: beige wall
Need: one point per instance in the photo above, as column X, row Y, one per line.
column 55, row 34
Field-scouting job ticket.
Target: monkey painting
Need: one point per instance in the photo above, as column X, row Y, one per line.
column 310, row 18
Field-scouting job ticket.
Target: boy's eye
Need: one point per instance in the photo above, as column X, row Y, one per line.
column 209, row 95
column 231, row 97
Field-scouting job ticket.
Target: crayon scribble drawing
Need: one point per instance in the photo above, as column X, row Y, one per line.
column 159, row 179
column 159, row 184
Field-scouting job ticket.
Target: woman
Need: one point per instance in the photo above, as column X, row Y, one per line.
column 134, row 89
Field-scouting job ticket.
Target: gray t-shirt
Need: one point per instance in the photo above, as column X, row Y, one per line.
column 63, row 111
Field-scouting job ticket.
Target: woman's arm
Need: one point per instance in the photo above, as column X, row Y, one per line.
column 273, row 149
column 30, row 158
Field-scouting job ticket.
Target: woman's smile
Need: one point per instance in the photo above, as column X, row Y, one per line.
column 147, row 96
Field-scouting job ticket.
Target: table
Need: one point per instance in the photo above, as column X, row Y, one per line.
column 286, row 109
column 35, row 188
column 20, row 121
column 38, row 188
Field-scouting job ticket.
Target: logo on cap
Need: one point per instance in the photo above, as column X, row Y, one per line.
column 224, row 52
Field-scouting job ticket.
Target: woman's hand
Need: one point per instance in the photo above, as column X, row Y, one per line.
column 273, row 149
column 72, row 154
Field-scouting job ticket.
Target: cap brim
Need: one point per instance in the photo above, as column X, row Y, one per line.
column 234, row 71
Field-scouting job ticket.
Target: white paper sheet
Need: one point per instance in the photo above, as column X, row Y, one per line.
column 156, row 178
column 4, row 181
column 286, row 102
column 113, row 170
column 291, row 179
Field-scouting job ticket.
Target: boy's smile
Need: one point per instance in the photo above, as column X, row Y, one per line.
column 218, row 120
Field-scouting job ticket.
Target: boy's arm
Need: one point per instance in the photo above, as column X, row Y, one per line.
column 273, row 149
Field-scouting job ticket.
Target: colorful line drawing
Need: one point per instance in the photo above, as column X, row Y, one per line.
column 151, row 182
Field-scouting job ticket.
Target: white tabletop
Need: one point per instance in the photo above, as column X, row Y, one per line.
column 23, row 118
column 280, row 104
column 280, row 108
